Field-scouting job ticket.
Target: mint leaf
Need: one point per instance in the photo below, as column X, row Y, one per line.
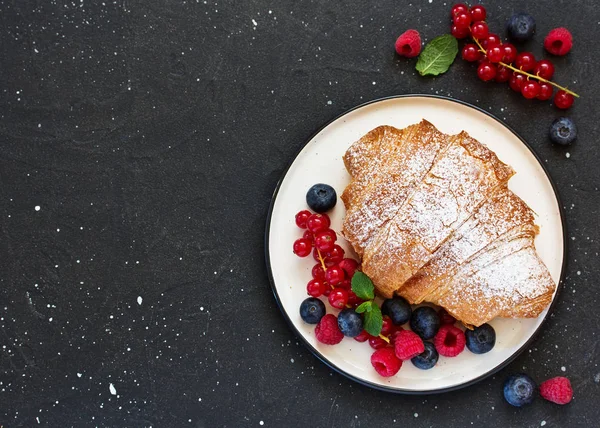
column 364, row 307
column 437, row 56
column 373, row 320
column 363, row 286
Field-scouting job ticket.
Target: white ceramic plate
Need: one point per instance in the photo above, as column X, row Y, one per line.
column 320, row 161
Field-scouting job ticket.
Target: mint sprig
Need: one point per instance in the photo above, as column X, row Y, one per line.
column 437, row 56
column 363, row 287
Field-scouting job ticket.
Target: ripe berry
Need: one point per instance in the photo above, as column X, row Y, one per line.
column 428, row 358
column 544, row 69
column 525, row 61
column 315, row 288
column 481, row 339
column 338, row 298
column 350, row 323
column 546, row 91
column 510, row 52
column 486, row 71
column 449, row 341
column 318, row 222
column 491, row 40
column 462, row 20
column 334, row 275
column 519, row 389
column 312, row 310
column 308, row 235
column 517, row 81
column 480, row 30
column 478, row 13
column 557, row 390
column 302, row 247
column 520, row 27
column 301, row 218
column 471, row 52
column 458, row 9
column 563, row 131
column 321, row 197
column 325, row 240
column 377, row 342
column 387, row 327
column 327, row 331
column 346, row 284
column 362, row 337
column 335, row 255
column 503, row 74
column 385, row 362
column 349, row 266
column 495, row 54
column 353, row 299
column 318, row 272
column 563, row 100
column 425, row 321
column 398, row 309
column 459, row 32
column 558, row 41
column 446, row 318
column 531, row 89
column 408, row 44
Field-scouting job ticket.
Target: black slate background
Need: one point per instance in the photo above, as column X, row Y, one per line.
column 151, row 135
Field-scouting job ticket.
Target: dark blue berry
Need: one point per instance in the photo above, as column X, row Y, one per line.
column 563, row 131
column 425, row 321
column 519, row 389
column 481, row 339
column 520, row 27
column 428, row 358
column 312, row 310
column 321, row 197
column 350, row 323
column 398, row 309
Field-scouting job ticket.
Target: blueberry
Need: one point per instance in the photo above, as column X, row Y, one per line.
column 519, row 389
column 312, row 310
column 398, row 309
column 520, row 27
column 563, row 131
column 428, row 358
column 481, row 339
column 350, row 323
column 321, row 197
column 425, row 321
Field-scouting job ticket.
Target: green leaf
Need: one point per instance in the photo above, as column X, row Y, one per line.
column 363, row 286
column 373, row 321
column 438, row 55
column 364, row 307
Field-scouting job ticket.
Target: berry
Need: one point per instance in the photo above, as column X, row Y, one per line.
column 312, row 310
column 301, row 218
column 425, row 321
column 546, row 91
column 409, row 44
column 321, row 197
column 491, row 40
column 503, row 74
column 531, row 89
column 385, row 362
column 315, row 288
column 563, row 100
column 458, row 9
column 318, row 272
column 350, row 323
column 387, row 327
column 449, row 341
column 525, row 61
column 558, row 390
column 481, row 339
column 446, row 318
column 349, row 266
column 327, row 331
column 302, row 247
column 471, row 52
column 325, row 240
column 462, row 20
column 459, row 32
column 428, row 358
column 318, row 222
column 563, row 131
column 335, row 256
column 363, row 336
column 486, row 71
column 495, row 54
column 510, row 52
column 544, row 69
column 398, row 309
column 377, row 342
column 480, row 30
column 334, row 275
column 519, row 389
column 517, row 81
column 353, row 299
column 407, row 344
column 338, row 298
column 345, row 284
column 559, row 41
column 308, row 236
column 478, row 13
column 520, row 27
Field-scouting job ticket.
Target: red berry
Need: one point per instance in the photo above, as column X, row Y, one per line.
column 546, row 91
column 563, row 100
column 353, row 299
column 318, row 222
column 362, row 337
column 525, row 61
column 491, row 40
column 377, row 342
column 349, row 266
column 308, row 235
column 458, row 9
column 459, row 32
column 408, row 344
column 544, row 69
column 334, row 275
column 510, row 52
column 530, row 89
column 449, row 341
column 462, row 20
column 338, row 298
column 327, row 291
column 318, row 272
column 478, row 13
column 558, row 41
column 387, row 327
column 301, row 218
column 503, row 74
column 471, row 52
column 445, row 317
column 557, row 390
column 327, row 331
column 408, row 44
column 517, row 81
column 302, row 247
column 480, row 30
column 385, row 362
column 347, row 285
column 335, row 255
column 495, row 54
column 315, row 288
column 486, row 71
column 325, row 240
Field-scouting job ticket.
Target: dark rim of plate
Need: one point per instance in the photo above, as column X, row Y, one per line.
column 332, row 366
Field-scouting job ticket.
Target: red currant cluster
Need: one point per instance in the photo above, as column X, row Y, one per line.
column 502, row 62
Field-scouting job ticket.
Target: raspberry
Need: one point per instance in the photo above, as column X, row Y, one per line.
column 385, row 362
column 558, row 41
column 449, row 341
column 558, row 390
column 407, row 344
column 409, row 44
column 327, row 331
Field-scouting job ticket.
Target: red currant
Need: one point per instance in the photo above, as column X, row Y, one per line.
column 387, row 327
column 315, row 288
column 471, row 52
column 546, row 91
column 525, row 61
column 491, row 40
column 480, row 30
column 503, row 74
column 347, row 285
column 353, row 299
column 486, row 71
column 334, row 275
column 446, row 318
column 316, row 255
column 462, row 20
column 302, row 247
column 563, row 100
column 458, row 9
column 516, row 81
column 544, row 69
column 459, row 32
column 510, row 52
column 308, row 236
column 327, row 290
column 318, row 222
column 530, row 89
column 335, row 255
column 495, row 54
column 478, row 13
column 362, row 337
column 318, row 272
column 324, row 240
column 338, row 298
column 377, row 342
column 349, row 266
column 301, row 218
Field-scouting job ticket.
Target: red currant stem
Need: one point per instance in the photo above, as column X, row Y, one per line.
column 384, row 338
column 529, row 75
column 322, row 261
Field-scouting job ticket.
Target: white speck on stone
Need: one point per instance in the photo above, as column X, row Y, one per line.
column 254, row 22
column 261, row 423
column 430, row 1
column 37, row 418
column 374, row 83
column 50, row 319
column 112, row 389
column 79, row 375
column 292, row 360
column 416, row 415
column 542, row 423
column 563, row 368
column 37, row 208
column 578, row 272
column 567, row 155
column 329, row 102
column 139, row 300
